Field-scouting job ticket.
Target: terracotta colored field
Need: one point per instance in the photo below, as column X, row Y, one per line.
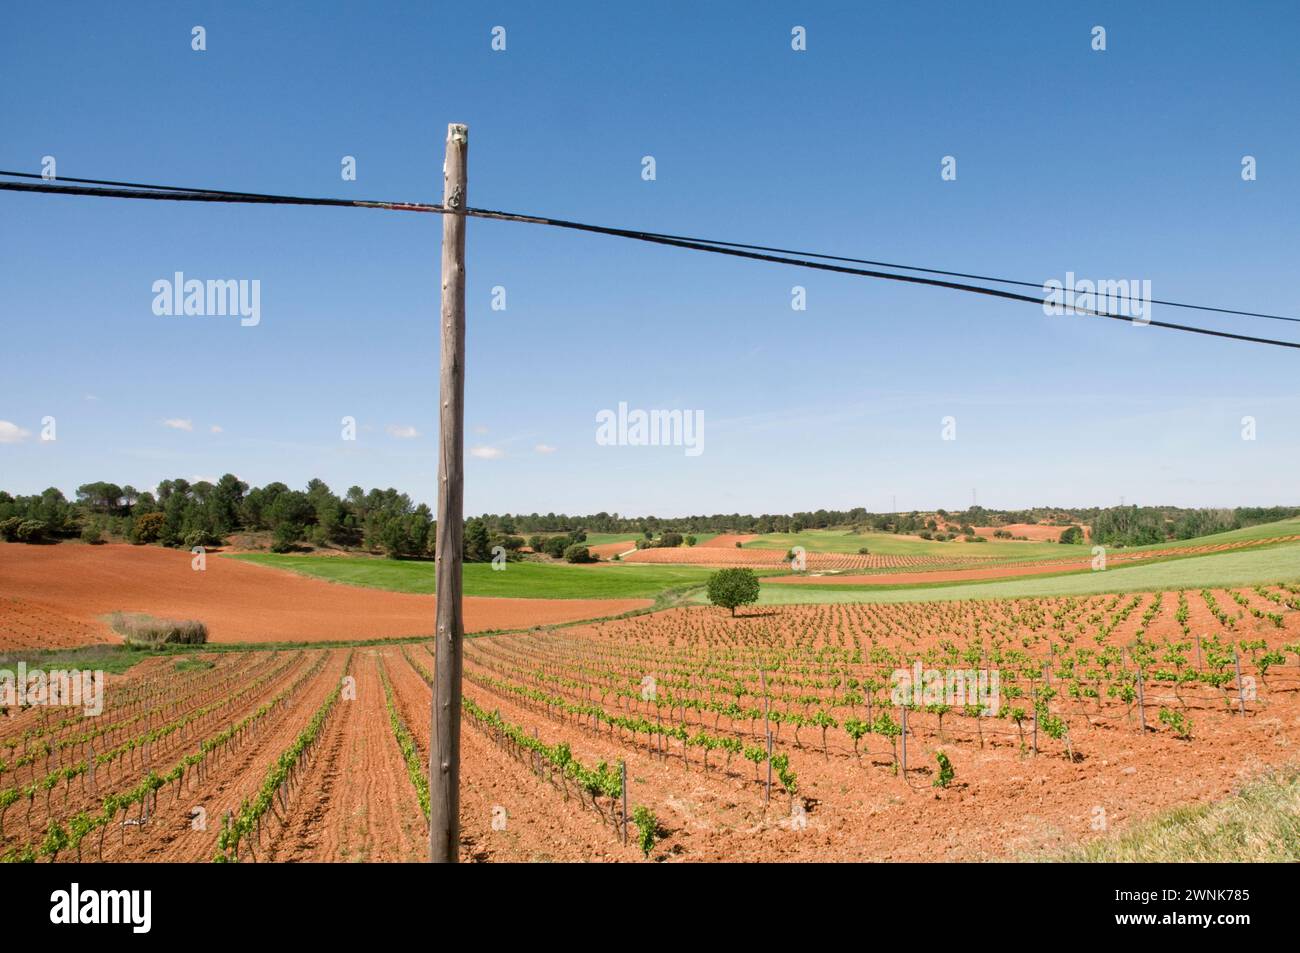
column 610, row 550
column 726, row 541
column 56, row 595
column 353, row 800
column 1037, row 532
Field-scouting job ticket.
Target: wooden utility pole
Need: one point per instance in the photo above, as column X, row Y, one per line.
column 444, row 755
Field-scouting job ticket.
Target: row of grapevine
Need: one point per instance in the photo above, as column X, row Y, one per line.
column 245, row 825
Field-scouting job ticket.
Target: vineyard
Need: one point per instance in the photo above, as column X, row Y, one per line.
column 684, row 734
column 775, row 559
column 967, row 557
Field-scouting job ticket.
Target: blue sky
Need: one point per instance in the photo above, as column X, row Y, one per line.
column 1117, row 164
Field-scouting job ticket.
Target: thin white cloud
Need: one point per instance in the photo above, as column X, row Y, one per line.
column 216, row 428
column 544, row 448
column 402, row 431
column 91, row 397
column 179, row 423
column 486, row 453
column 480, row 429
column 12, row 433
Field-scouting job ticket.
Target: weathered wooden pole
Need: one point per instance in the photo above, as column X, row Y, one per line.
column 444, row 754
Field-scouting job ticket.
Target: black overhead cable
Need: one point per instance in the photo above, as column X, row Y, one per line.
column 754, row 252
column 707, row 241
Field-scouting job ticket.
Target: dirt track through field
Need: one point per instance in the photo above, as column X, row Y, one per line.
column 68, row 588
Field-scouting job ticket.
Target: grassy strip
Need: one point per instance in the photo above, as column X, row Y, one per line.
column 103, row 657
column 1261, row 823
column 520, row 580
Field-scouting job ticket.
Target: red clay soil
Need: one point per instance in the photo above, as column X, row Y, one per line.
column 1005, row 803
column 726, row 541
column 610, row 550
column 354, row 801
column 535, row 820
column 56, row 596
column 1037, row 532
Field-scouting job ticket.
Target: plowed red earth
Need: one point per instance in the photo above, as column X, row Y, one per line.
column 353, row 800
column 56, row 596
column 1037, row 532
column 726, row 541
column 610, row 550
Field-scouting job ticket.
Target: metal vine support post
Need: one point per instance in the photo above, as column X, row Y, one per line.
column 444, row 754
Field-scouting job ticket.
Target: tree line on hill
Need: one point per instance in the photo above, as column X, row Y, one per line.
column 184, row 513
column 181, row 513
column 1116, row 525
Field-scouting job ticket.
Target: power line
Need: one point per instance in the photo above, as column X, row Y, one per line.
column 752, row 252
column 413, row 206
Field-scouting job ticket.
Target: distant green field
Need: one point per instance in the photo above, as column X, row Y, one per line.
column 523, row 580
column 1217, row 569
column 600, row 539
column 889, row 544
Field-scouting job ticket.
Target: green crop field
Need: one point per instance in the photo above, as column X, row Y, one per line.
column 518, row 580
column 600, row 539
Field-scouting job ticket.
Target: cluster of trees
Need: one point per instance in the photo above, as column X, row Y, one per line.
column 571, row 547
column 667, row 540
column 181, row 513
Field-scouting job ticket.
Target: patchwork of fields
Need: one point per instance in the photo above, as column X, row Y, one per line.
column 1107, row 684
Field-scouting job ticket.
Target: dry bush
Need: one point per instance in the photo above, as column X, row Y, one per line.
column 141, row 629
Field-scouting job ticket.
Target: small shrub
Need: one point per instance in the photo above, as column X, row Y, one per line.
column 31, row 531
column 1177, row 722
column 149, row 632
column 946, row 773
column 863, row 551
column 555, row 546
column 578, row 553
column 9, row 528
column 201, row 537
column 647, row 827
column 148, row 528
column 286, row 537
column 92, row 534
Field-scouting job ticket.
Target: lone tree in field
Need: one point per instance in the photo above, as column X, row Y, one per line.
column 733, row 587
